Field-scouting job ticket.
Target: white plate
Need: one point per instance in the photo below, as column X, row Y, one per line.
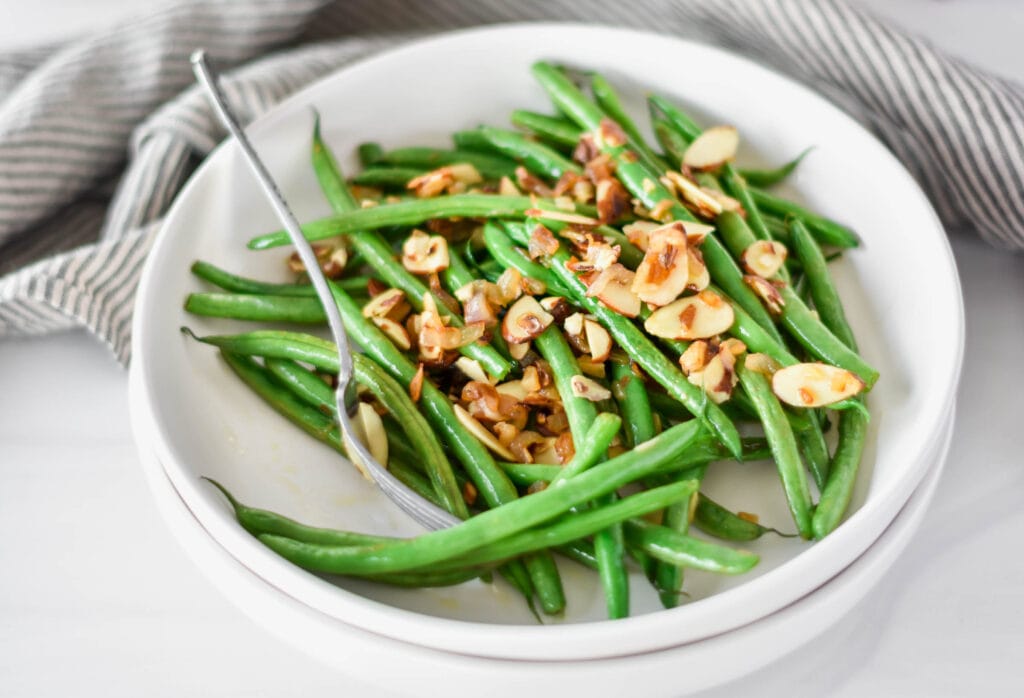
column 367, row 659
column 901, row 289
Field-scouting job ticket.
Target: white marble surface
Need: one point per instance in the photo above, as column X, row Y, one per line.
column 96, row 598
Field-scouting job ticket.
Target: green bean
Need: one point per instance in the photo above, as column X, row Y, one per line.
column 673, row 144
column 489, row 166
column 672, row 547
column 386, row 177
column 631, row 394
column 686, row 127
column 240, row 284
column 553, row 129
column 536, row 157
column 379, row 255
column 835, row 498
column 428, row 450
column 813, row 447
column 411, row 212
column 715, row 520
column 822, row 290
column 630, row 254
column 737, row 189
column 579, row 551
column 608, row 100
column 783, row 444
column 766, row 178
column 495, row 524
column 369, row 153
column 246, row 306
column 826, row 232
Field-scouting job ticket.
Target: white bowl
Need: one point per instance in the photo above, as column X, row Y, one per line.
column 366, row 660
column 901, row 290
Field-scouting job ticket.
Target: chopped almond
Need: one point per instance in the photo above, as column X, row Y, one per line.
column 472, row 369
column 542, row 242
column 519, row 351
column 433, row 183
column 531, row 184
column 762, row 363
column 613, row 287
column 425, row 254
column 390, row 304
column 589, row 389
column 395, row 332
column 767, row 292
column 696, row 357
column 481, row 434
column 598, row 339
column 525, row 320
column 610, row 134
column 506, row 187
column 510, row 285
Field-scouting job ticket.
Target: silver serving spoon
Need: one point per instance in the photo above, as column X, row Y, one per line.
column 423, row 511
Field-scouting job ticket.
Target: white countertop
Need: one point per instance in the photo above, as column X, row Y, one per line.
column 96, row 597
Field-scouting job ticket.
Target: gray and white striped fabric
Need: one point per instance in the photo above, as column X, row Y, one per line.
column 98, row 135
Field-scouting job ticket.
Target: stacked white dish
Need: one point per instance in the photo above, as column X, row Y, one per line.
column 193, row 418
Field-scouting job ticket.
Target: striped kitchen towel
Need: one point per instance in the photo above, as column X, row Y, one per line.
column 98, row 135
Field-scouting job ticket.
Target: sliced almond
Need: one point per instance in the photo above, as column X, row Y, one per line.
column 696, row 232
column 391, row 304
column 546, row 453
column 425, row 254
column 510, row 285
column 369, row 429
column 480, row 432
column 591, row 367
column 506, row 187
column 557, row 306
column 542, row 242
column 767, row 292
column 762, row 363
column 583, row 191
column 733, row 346
column 610, row 134
column 612, row 200
column 696, row 357
column 613, row 287
column 532, row 286
column 562, row 216
column 764, row 258
column 725, row 201
column 638, row 232
column 465, row 173
column 433, row 183
column 698, row 277
column 589, row 389
column 525, row 320
column 717, row 378
column 472, row 369
column 476, row 307
column 814, row 384
column 694, row 317
column 663, row 272
column 395, row 332
column 519, row 351
column 416, row 384
column 598, row 339
column 713, row 147
column 706, row 205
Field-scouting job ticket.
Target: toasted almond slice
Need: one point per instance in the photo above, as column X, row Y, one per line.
column 767, row 292
column 557, row 306
column 465, row 173
column 472, row 369
column 542, row 242
column 764, row 258
column 814, row 384
column 733, row 346
column 563, row 216
column 514, row 389
column 391, row 304
column 395, row 332
column 369, row 429
column 591, row 367
column 518, row 351
column 565, row 203
column 762, row 363
column 425, row 254
column 698, row 277
column 696, row 357
column 696, row 232
column 480, row 432
column 510, row 285
column 525, row 320
column 583, row 191
column 532, row 286
column 433, row 183
column 506, row 187
column 589, row 389
column 694, row 317
column 716, row 379
column 612, row 200
column 613, row 287
column 727, row 202
column 416, row 384
column 610, row 134
column 705, row 204
column 638, row 232
column 712, row 148
column 547, row 453
column 598, row 339
column 663, row 272
column 478, row 308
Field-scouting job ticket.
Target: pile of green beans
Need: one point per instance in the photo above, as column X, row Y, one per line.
column 629, row 486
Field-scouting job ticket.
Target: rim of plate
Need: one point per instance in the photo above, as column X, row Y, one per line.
column 703, row 618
